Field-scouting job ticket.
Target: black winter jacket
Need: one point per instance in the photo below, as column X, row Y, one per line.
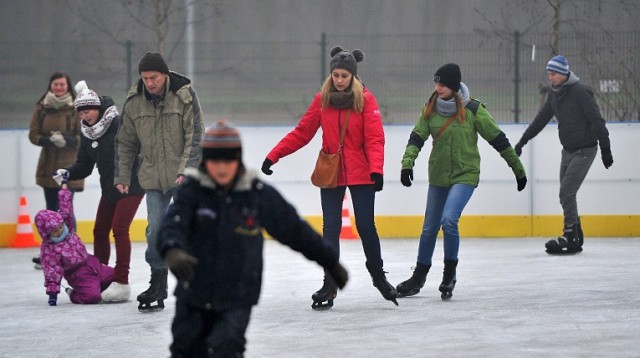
column 101, row 153
column 223, row 230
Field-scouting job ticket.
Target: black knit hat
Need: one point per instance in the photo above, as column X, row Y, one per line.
column 221, row 142
column 152, row 61
column 346, row 60
column 449, row 75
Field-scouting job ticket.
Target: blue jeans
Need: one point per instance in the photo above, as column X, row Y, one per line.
column 444, row 207
column 157, row 204
column 363, row 198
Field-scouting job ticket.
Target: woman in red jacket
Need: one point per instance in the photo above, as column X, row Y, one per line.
column 343, row 97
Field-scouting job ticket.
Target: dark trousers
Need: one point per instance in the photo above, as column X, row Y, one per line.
column 209, row 333
column 363, row 198
column 117, row 217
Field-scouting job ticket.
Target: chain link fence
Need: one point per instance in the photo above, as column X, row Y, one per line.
column 272, row 83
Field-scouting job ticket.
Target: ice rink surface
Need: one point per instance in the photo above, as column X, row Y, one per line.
column 511, row 300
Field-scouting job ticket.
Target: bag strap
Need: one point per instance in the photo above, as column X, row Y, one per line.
column 447, row 123
column 343, row 130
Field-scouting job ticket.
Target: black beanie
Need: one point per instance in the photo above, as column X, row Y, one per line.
column 345, row 60
column 449, row 75
column 152, row 61
column 221, row 142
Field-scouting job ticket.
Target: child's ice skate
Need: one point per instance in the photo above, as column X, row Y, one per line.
column 157, row 291
column 323, row 298
column 36, row 263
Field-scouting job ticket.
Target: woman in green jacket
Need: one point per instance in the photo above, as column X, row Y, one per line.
column 454, row 121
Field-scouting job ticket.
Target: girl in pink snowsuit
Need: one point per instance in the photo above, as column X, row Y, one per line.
column 63, row 254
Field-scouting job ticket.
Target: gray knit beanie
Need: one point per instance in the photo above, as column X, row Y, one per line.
column 345, row 60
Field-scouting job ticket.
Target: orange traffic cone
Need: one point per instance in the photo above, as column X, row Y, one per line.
column 24, row 232
column 347, row 231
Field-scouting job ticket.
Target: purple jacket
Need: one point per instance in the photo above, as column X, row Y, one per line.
column 61, row 259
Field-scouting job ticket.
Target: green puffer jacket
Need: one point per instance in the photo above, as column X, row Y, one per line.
column 167, row 135
column 454, row 158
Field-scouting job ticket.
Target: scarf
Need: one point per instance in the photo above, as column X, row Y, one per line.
column 342, row 100
column 100, row 128
column 447, row 107
column 51, row 100
column 571, row 80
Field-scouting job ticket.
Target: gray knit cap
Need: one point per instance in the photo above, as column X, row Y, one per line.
column 345, row 60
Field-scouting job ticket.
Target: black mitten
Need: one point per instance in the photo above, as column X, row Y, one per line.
column 266, row 167
column 53, row 299
column 378, row 181
column 607, row 158
column 339, row 275
column 181, row 264
column 522, row 183
column 406, row 177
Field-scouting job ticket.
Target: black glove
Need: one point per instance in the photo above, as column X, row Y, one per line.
column 607, row 158
column 53, row 299
column 406, row 177
column 522, row 182
column 181, row 264
column 266, row 167
column 339, row 274
column 518, row 148
column 378, row 182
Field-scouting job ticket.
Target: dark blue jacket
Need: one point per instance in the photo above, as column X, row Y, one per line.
column 223, row 230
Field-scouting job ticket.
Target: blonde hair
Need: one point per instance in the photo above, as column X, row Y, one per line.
column 430, row 107
column 358, row 93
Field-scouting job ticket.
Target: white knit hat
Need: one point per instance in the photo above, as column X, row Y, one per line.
column 86, row 99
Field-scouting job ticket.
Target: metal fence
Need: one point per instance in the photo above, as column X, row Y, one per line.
column 272, row 83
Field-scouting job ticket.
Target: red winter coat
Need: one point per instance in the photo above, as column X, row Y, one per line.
column 363, row 149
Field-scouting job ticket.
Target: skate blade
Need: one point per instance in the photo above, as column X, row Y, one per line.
column 408, row 294
column 394, row 301
column 37, row 266
column 322, row 305
column 146, row 307
column 563, row 253
column 110, row 302
column 446, row 296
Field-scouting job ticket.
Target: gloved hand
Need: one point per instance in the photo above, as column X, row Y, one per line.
column 339, row 275
column 61, row 176
column 53, row 299
column 57, row 139
column 522, row 182
column 378, row 181
column 266, row 166
column 406, row 177
column 181, row 264
column 607, row 158
column 518, row 148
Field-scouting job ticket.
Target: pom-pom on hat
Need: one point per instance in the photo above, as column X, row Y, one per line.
column 345, row 60
column 86, row 98
column 558, row 64
column 152, row 61
column 221, row 142
column 449, row 75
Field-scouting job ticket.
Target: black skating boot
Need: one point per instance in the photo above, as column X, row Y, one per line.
column 380, row 282
column 580, row 236
column 36, row 263
column 448, row 279
column 323, row 298
column 565, row 244
column 413, row 285
column 157, row 291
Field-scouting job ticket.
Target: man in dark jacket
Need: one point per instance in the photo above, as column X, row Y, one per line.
column 580, row 128
column 211, row 239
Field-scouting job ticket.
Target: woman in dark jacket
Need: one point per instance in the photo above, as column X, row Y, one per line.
column 100, row 123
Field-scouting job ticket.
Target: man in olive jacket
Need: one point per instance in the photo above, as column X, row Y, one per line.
column 162, row 123
column 581, row 129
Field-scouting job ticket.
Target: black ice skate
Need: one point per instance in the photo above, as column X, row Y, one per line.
column 323, row 298
column 568, row 243
column 413, row 285
column 157, row 291
column 380, row 282
column 448, row 279
column 36, row 263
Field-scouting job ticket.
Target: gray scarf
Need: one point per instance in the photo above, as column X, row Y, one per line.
column 342, row 99
column 52, row 101
column 447, row 107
